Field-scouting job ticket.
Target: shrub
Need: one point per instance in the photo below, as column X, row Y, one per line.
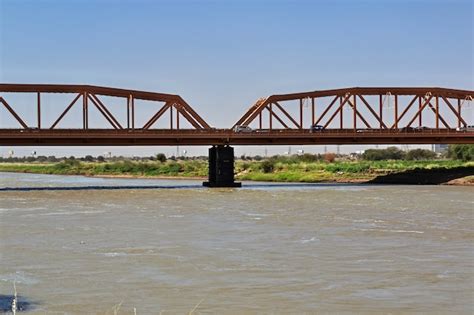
column 420, row 154
column 308, row 157
column 161, row 157
column 463, row 152
column 267, row 166
column 391, row 153
column 41, row 158
column 89, row 158
column 245, row 166
column 52, row 158
column 329, row 157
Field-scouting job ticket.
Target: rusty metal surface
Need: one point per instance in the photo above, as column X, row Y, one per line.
column 90, row 97
column 65, row 137
column 433, row 99
column 387, row 129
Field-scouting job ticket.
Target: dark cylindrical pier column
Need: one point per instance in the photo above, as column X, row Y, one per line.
column 221, row 167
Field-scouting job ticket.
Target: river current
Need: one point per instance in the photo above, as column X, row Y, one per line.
column 177, row 247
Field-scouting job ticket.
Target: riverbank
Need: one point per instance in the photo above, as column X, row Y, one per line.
column 451, row 172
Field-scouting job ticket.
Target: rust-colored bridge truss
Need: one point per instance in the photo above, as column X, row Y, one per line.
column 343, row 116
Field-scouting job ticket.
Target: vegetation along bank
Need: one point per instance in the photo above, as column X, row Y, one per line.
column 390, row 165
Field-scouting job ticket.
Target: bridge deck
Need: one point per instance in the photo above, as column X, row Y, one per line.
column 92, row 137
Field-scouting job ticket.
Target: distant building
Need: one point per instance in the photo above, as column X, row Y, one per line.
column 440, row 148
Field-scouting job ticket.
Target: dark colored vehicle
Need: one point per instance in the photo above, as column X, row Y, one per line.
column 316, row 128
column 422, row 128
column 405, row 129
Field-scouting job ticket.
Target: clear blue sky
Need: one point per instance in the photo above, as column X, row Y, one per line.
column 223, row 55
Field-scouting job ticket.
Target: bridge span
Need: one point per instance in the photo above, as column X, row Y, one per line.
column 98, row 137
column 110, row 116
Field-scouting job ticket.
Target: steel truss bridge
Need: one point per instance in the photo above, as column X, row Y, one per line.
column 369, row 115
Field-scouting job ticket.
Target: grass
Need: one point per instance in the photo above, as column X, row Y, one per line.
column 318, row 171
column 169, row 168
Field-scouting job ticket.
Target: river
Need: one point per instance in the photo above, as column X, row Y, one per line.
column 265, row 248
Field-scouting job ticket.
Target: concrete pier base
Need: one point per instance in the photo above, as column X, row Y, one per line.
column 221, row 167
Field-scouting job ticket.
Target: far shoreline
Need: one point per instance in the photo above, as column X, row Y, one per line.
column 455, row 182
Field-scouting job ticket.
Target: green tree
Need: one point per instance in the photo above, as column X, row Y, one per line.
column 420, row 154
column 390, row 153
column 161, row 157
column 463, row 152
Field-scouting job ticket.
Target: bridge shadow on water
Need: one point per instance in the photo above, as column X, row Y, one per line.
column 23, row 304
column 433, row 176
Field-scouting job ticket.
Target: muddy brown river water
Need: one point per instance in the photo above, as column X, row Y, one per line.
column 261, row 249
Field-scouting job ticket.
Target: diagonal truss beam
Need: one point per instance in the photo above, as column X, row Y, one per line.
column 272, row 113
column 454, row 110
column 252, row 113
column 287, row 115
column 399, row 118
column 14, row 114
column 103, row 109
column 337, row 110
column 379, row 119
column 65, row 111
column 354, row 108
column 194, row 118
column 183, row 110
column 157, row 115
column 438, row 116
column 426, row 102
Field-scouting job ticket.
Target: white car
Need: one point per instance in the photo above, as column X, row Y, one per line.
column 466, row 128
column 242, row 128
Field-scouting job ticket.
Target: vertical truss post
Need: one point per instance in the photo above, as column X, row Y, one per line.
column 132, row 104
column 177, row 119
column 270, row 114
column 85, row 118
column 313, row 113
column 459, row 112
column 39, row 110
column 354, row 112
column 171, row 117
column 301, row 113
column 128, row 111
column 260, row 120
column 396, row 110
column 381, row 109
column 437, row 111
column 341, row 117
column 420, row 119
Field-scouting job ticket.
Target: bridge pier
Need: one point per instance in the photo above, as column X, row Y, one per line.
column 221, row 167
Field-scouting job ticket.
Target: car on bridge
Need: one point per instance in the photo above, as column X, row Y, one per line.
column 466, row 128
column 422, row 128
column 316, row 128
column 242, row 129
